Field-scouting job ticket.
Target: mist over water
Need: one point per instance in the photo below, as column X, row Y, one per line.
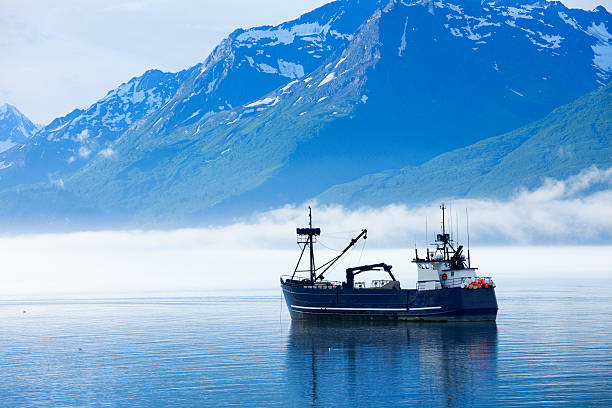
column 59, row 270
column 561, row 231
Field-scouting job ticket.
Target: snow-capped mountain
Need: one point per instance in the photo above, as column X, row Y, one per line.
column 279, row 114
column 253, row 62
column 68, row 142
column 15, row 127
column 247, row 64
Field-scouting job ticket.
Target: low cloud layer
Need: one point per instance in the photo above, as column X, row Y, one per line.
column 559, row 231
column 576, row 211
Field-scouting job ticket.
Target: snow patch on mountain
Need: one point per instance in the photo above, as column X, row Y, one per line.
column 602, row 58
column 517, row 13
column 327, row 79
column 535, row 20
column 283, row 35
column 290, row 69
column 600, row 32
column 265, row 101
column 402, row 46
column 569, row 20
column 289, row 85
column 517, row 92
column 267, row 69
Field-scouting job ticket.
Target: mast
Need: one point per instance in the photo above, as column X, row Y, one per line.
column 456, row 228
column 426, row 238
column 310, row 236
column 306, row 238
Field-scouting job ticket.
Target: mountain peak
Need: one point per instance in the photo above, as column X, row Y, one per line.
column 352, row 88
column 15, row 128
column 6, row 107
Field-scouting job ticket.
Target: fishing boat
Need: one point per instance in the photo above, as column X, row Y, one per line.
column 447, row 287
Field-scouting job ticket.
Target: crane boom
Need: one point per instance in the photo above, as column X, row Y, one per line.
column 329, row 264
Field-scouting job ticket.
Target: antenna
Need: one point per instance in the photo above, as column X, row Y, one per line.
column 467, row 226
column 457, row 227
column 426, row 233
column 450, row 216
column 443, row 207
column 309, row 217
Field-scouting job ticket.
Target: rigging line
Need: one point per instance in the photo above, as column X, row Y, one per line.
column 342, row 232
column 327, row 263
column 362, row 248
column 325, row 246
column 343, row 238
column 333, row 260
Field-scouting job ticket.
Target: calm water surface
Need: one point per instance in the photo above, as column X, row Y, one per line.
column 550, row 347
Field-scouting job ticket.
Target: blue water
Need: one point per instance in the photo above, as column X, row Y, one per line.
column 549, row 346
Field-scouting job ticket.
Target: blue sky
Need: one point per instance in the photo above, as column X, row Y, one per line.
column 63, row 54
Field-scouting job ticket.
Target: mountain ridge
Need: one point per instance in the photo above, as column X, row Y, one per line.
column 413, row 81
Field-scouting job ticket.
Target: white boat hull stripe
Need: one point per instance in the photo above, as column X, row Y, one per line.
column 369, row 309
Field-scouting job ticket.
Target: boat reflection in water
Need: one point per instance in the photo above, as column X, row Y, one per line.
column 365, row 363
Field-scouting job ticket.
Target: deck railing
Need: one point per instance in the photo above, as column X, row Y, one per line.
column 450, row 283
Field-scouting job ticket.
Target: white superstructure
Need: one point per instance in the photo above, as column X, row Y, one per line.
column 446, row 266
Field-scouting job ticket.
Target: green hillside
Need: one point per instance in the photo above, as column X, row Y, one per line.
column 569, row 139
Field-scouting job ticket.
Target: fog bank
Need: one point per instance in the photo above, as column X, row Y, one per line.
column 559, row 231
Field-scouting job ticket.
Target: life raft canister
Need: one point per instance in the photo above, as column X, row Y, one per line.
column 444, row 276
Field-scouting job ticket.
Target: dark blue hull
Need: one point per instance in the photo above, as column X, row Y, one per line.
column 390, row 304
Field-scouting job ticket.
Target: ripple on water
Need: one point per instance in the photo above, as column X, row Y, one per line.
column 548, row 347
